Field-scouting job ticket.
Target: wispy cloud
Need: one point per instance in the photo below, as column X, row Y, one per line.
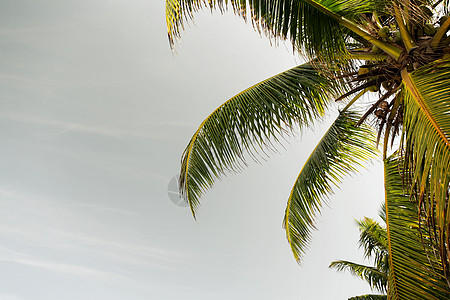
column 23, row 79
column 33, row 226
column 10, row 297
column 7, row 255
column 63, row 127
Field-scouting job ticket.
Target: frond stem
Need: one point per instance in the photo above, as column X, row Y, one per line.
column 367, row 56
column 440, row 33
column 407, row 39
column 386, row 47
column 354, row 99
column 389, row 125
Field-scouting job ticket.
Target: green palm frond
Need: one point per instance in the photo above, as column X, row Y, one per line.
column 376, row 279
column 414, row 270
column 248, row 122
column 352, row 9
column 427, row 145
column 343, row 147
column 312, row 25
column 369, row 297
column 373, row 238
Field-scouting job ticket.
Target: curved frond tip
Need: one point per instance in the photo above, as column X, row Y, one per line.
column 376, row 278
column 248, row 123
column 369, row 297
column 373, row 238
column 341, row 150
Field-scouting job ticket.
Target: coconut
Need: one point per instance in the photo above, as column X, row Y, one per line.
column 397, row 37
column 381, row 114
column 383, row 32
column 383, row 105
column 429, row 29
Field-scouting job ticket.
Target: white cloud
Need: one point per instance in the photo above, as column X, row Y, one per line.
column 74, row 229
column 63, row 127
column 10, row 297
column 21, row 258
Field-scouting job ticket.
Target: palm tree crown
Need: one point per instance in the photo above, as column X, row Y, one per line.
column 399, row 51
column 373, row 239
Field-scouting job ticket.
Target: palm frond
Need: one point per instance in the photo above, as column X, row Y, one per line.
column 369, row 297
column 248, row 122
column 352, row 9
column 343, row 147
column 427, row 145
column 415, row 272
column 373, row 238
column 309, row 24
column 376, row 279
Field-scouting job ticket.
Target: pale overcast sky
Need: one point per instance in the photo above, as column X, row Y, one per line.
column 95, row 113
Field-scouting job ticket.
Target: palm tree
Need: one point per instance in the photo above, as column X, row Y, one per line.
column 373, row 239
column 406, row 266
column 397, row 50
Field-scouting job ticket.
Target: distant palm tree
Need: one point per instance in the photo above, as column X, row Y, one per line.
column 405, row 263
column 397, row 50
column 373, row 239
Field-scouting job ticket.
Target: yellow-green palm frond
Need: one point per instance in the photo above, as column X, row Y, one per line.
column 376, row 278
column 343, row 147
column 248, row 122
column 312, row 25
column 427, row 146
column 415, row 272
column 372, row 235
column 373, row 238
column 369, row 297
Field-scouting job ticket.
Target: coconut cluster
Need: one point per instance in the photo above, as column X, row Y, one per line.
column 383, row 73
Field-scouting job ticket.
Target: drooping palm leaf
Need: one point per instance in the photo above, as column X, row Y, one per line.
column 414, row 270
column 248, row 122
column 343, row 147
column 427, row 145
column 376, row 279
column 313, row 25
column 373, row 239
column 369, row 297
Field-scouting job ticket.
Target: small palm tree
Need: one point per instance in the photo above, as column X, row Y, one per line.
column 396, row 50
column 405, row 263
column 373, row 239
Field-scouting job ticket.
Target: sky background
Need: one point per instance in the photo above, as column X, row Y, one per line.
column 95, row 112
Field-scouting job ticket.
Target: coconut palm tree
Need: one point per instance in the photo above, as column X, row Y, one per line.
column 373, row 239
column 405, row 266
column 396, row 50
